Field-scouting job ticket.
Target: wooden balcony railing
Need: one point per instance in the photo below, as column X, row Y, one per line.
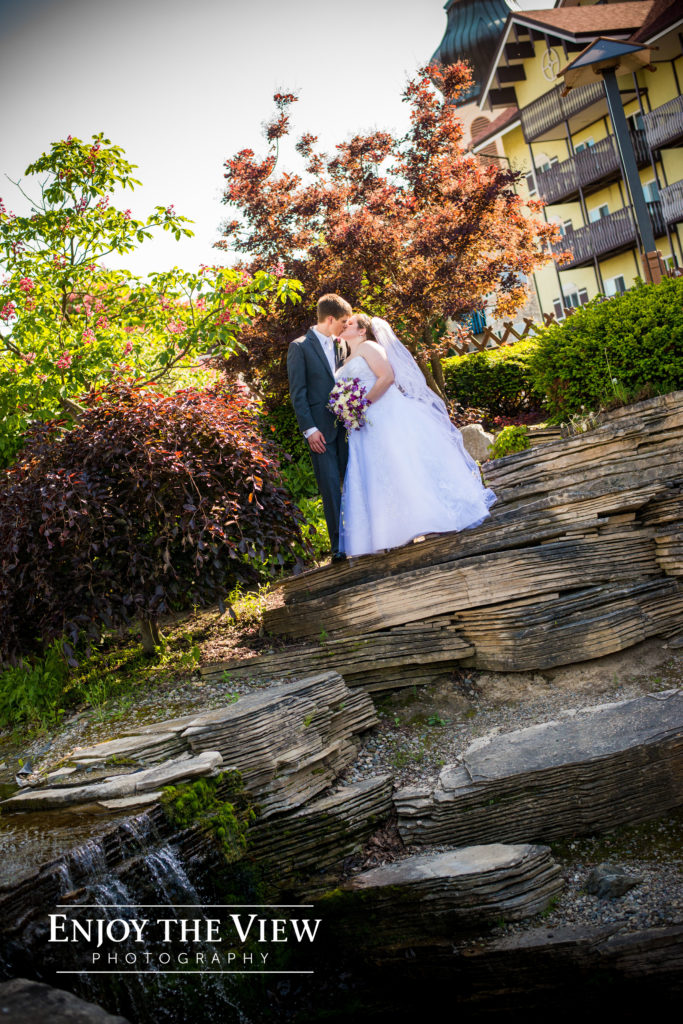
column 552, row 108
column 672, row 202
column 592, row 164
column 665, row 123
column 558, row 181
column 615, row 231
column 658, row 224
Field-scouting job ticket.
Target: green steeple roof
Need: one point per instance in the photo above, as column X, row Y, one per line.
column 473, row 32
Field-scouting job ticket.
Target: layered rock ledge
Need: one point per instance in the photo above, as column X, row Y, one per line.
column 589, row 770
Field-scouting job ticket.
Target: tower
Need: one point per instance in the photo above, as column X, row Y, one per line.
column 472, row 33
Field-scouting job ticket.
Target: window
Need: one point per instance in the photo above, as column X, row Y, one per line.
column 598, row 213
column 615, row 285
column 563, row 225
column 573, row 298
column 635, row 122
column 531, row 182
column 547, row 163
column 651, row 191
column 584, row 145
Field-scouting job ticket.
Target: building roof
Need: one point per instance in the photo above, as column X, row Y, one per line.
column 663, row 14
column 507, row 117
column 472, row 33
column 635, row 20
column 594, row 20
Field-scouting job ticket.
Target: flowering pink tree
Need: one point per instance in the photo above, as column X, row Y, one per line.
column 67, row 323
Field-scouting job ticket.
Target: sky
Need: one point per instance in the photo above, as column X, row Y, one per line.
column 182, row 85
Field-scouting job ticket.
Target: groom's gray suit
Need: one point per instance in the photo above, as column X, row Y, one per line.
column 310, row 383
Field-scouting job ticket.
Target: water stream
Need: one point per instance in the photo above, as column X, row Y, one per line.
column 149, row 871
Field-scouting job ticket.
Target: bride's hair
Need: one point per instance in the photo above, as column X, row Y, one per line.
column 363, row 320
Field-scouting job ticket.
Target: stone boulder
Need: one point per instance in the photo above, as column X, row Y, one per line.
column 477, row 441
column 30, row 1002
column 440, row 896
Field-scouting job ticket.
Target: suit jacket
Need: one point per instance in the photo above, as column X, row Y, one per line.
column 310, row 383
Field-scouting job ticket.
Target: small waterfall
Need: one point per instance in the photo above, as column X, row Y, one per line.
column 132, row 872
column 170, row 875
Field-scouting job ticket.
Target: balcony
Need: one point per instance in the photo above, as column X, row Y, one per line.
column 672, row 202
column 551, row 109
column 592, row 165
column 665, row 123
column 610, row 234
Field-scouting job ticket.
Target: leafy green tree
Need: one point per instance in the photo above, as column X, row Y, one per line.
column 67, row 323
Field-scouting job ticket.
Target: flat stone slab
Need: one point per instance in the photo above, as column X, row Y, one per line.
column 130, row 803
column 580, row 736
column 117, row 786
column 156, row 743
column 297, row 848
column 587, row 771
column 290, row 741
column 30, row 1002
column 466, row 864
column 442, row 895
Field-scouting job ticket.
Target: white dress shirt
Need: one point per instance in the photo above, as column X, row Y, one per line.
column 328, row 349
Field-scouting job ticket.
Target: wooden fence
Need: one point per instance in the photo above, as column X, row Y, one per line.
column 470, row 342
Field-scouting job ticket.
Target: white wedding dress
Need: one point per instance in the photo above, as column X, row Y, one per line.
column 407, row 474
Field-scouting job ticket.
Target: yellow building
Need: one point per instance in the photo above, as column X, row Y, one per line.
column 565, row 144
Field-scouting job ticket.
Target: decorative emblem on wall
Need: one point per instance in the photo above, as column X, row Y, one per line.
column 550, row 64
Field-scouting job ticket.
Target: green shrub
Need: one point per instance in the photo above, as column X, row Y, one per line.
column 200, row 804
column 314, row 517
column 613, row 350
column 280, row 425
column 497, row 380
column 31, row 692
column 511, row 439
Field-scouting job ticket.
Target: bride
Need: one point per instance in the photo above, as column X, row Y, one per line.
column 408, row 472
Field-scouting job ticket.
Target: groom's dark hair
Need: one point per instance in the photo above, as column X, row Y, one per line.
column 332, row 305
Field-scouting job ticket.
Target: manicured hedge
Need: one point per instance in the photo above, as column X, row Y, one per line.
column 497, row 380
column 619, row 348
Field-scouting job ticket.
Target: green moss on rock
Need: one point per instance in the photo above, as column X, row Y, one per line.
column 202, row 804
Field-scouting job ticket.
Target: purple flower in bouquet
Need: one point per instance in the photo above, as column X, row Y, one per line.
column 348, row 403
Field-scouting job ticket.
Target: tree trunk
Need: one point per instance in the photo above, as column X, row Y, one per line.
column 151, row 637
column 73, row 408
column 437, row 370
column 433, row 370
column 427, row 371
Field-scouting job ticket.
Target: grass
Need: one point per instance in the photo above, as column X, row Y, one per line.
column 36, row 695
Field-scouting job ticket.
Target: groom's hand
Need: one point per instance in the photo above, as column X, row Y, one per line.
column 317, row 442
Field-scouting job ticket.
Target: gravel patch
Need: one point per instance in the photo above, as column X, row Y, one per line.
column 422, row 729
column 651, row 850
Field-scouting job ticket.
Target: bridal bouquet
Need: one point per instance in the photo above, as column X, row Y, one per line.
column 348, row 403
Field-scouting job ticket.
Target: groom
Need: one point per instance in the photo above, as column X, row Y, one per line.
column 311, row 362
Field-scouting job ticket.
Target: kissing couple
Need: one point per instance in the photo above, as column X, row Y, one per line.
column 405, row 471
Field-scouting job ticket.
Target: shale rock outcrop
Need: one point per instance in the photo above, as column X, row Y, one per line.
column 582, row 556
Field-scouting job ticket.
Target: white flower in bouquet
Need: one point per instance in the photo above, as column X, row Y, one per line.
column 349, row 404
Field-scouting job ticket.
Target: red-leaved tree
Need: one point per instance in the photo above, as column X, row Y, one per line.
column 151, row 503
column 415, row 228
